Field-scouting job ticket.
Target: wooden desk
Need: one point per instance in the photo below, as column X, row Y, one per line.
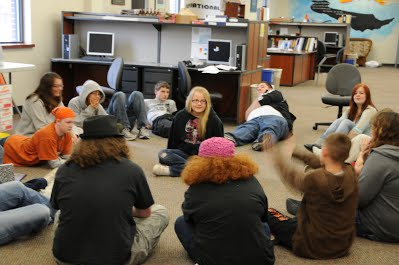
column 9, row 68
column 233, row 85
column 297, row 67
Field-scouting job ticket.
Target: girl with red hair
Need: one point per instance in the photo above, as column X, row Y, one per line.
column 355, row 120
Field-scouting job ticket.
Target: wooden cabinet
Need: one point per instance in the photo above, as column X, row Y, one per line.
column 234, row 10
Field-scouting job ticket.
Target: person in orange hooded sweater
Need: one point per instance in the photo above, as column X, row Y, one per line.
column 50, row 144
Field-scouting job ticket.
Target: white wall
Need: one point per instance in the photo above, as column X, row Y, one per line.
column 46, row 35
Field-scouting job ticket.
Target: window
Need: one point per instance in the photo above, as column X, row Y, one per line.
column 11, row 21
column 174, row 6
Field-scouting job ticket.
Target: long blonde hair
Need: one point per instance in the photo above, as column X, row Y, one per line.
column 203, row 120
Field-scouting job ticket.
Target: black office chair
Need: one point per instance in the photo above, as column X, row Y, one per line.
column 322, row 56
column 340, row 82
column 184, row 85
column 114, row 77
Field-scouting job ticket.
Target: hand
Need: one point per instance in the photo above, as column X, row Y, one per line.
column 94, row 101
column 75, row 138
column 365, row 144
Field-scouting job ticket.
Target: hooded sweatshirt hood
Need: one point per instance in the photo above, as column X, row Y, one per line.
column 389, row 151
column 88, row 87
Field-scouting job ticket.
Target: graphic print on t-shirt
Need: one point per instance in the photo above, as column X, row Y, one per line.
column 192, row 136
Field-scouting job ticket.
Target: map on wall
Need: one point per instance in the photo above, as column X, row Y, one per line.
column 369, row 17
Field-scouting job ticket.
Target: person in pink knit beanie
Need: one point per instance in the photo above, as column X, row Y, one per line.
column 225, row 208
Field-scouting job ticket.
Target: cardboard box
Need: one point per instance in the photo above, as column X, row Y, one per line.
column 5, row 101
column 5, row 90
column 185, row 19
column 6, row 124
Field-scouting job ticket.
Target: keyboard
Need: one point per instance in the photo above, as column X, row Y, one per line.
column 97, row 58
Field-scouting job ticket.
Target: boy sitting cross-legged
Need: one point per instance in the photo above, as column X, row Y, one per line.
column 324, row 226
column 160, row 110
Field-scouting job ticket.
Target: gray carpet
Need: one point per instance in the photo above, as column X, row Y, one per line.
column 304, row 101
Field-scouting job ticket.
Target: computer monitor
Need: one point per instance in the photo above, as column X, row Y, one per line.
column 100, row 43
column 330, row 38
column 219, row 52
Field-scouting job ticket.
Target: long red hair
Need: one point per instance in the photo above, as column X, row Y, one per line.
column 353, row 106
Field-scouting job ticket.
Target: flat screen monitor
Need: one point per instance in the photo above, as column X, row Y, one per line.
column 330, row 38
column 100, row 43
column 219, row 51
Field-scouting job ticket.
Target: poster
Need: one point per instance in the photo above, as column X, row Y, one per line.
column 199, row 43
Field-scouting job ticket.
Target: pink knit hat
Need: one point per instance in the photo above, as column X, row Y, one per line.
column 216, row 147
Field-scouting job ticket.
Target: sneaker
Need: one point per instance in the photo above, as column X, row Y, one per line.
column 310, row 146
column 292, row 206
column 161, row 170
column 128, row 135
column 144, row 133
column 230, row 138
column 257, row 146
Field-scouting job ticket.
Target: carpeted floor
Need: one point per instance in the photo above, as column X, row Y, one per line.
column 305, row 103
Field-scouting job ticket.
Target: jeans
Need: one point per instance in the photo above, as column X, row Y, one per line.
column 161, row 125
column 22, row 211
column 175, row 159
column 185, row 233
column 253, row 130
column 127, row 111
column 1, row 154
column 339, row 126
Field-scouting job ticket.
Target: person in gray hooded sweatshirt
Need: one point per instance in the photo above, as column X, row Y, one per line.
column 378, row 164
column 88, row 104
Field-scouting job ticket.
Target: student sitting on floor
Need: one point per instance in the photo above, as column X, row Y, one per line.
column 88, row 104
column 160, row 110
column 38, row 106
column 107, row 212
column 191, row 125
column 224, row 218
column 268, row 120
column 325, row 224
column 50, row 144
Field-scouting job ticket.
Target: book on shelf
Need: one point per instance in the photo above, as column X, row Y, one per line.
column 236, row 24
column 214, row 23
column 299, row 45
column 216, row 18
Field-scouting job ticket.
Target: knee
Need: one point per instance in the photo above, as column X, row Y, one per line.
column 42, row 215
column 162, row 154
column 136, row 96
column 161, row 212
column 179, row 223
column 119, row 97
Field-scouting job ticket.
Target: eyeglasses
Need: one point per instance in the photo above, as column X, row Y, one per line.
column 199, row 101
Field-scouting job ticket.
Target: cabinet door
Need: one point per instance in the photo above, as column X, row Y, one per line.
column 130, row 79
column 151, row 76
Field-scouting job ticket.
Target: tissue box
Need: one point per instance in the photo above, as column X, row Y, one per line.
column 185, row 19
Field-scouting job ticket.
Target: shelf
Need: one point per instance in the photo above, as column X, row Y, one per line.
column 310, row 24
column 140, row 19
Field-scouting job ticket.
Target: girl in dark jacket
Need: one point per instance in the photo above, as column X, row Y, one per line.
column 191, row 125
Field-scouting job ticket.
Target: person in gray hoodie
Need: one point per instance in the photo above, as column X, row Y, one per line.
column 88, row 104
column 378, row 164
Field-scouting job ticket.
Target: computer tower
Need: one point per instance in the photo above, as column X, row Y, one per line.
column 70, row 46
column 340, row 41
column 241, row 52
